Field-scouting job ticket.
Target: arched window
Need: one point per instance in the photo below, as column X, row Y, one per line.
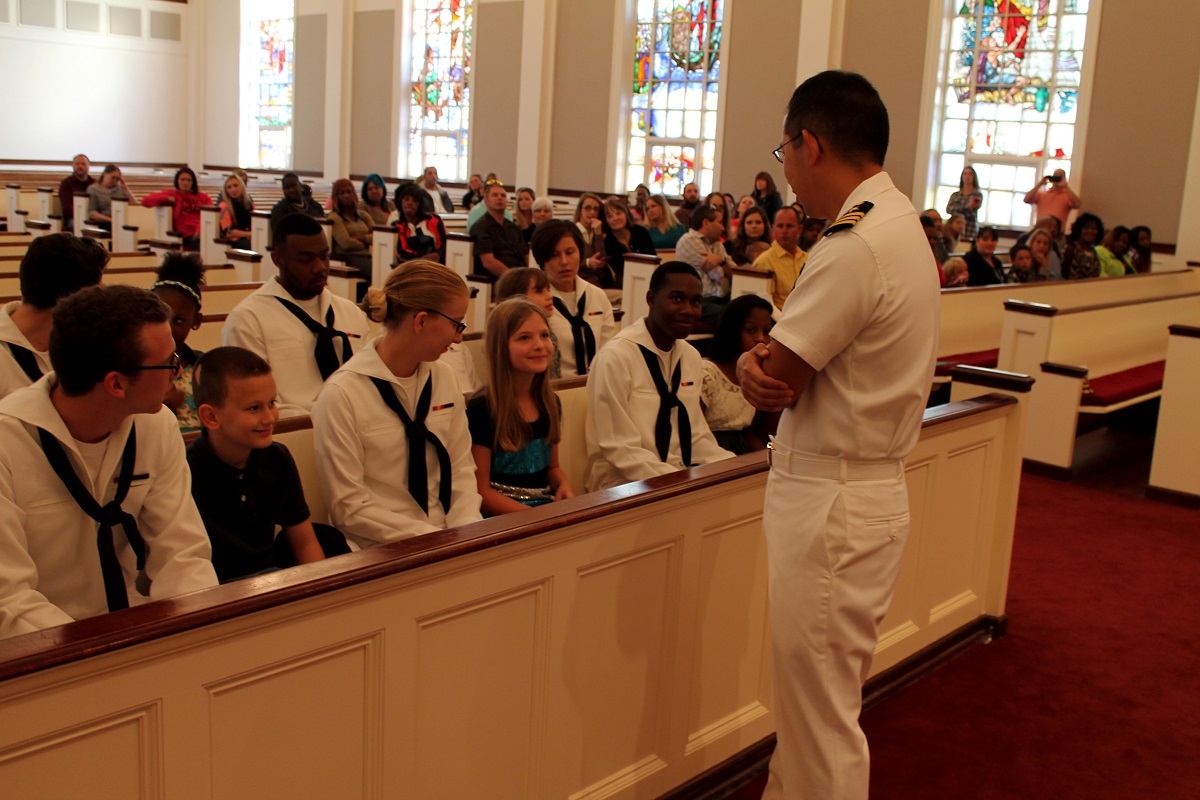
column 438, row 113
column 676, row 72
column 1009, row 99
column 265, row 135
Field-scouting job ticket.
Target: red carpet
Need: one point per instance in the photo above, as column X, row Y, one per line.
column 1095, row 691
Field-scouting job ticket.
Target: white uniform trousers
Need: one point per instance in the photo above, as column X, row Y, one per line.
column 835, row 536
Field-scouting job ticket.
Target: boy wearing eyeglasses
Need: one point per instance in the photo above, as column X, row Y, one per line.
column 96, row 512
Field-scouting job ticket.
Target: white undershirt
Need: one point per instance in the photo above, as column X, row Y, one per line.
column 93, row 456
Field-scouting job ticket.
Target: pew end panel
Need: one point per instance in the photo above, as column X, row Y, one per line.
column 460, row 253
column 1175, row 468
column 635, row 283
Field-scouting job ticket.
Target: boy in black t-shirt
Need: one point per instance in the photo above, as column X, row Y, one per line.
column 244, row 483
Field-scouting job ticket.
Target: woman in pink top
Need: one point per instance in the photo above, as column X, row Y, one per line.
column 188, row 200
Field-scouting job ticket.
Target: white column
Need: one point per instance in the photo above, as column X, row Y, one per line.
column 536, row 102
column 1187, row 242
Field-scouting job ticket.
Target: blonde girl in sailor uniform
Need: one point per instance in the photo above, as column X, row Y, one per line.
column 390, row 426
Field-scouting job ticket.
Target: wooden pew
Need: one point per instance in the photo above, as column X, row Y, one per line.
column 615, row 644
column 260, row 231
column 971, row 319
column 460, row 254
column 1175, row 468
column 635, row 283
column 16, row 217
column 124, row 235
column 747, row 280
column 1090, row 361
column 225, row 297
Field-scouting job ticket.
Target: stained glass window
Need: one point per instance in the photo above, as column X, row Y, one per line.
column 440, row 101
column 676, row 75
column 1009, row 102
column 268, row 56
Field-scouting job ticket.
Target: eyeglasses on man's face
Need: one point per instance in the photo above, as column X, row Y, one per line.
column 459, row 327
column 778, row 151
column 173, row 365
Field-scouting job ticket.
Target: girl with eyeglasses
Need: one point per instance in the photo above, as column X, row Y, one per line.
column 390, row 426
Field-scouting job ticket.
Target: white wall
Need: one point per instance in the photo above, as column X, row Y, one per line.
column 115, row 98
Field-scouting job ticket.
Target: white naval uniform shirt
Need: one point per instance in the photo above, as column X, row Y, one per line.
column 49, row 566
column 12, row 377
column 623, row 405
column 864, row 315
column 363, row 453
column 598, row 314
column 261, row 324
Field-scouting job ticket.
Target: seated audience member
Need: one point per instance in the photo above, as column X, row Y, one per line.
column 236, row 207
column 304, row 331
column 76, row 183
column 584, row 322
column 1021, row 259
column 589, row 213
column 1114, row 254
column 756, row 249
column 187, row 200
column 474, row 195
column 621, row 237
column 101, row 194
column 638, row 208
column 746, row 322
column 295, row 201
column 178, row 283
column 784, row 260
column 952, row 232
column 480, row 209
column 766, row 196
column 542, row 210
column 932, row 224
column 1140, row 248
column 97, row 420
column 390, row 428
column 499, row 244
column 811, row 229
column 629, row 436
column 523, row 212
column 664, row 229
column 691, row 199
column 52, row 268
column 352, row 229
column 438, row 196
column 717, row 200
column 984, row 268
column 375, row 199
column 1080, row 259
column 744, row 204
column 1046, row 263
column 534, row 285
column 1051, row 225
column 701, row 248
column 245, row 484
column 956, row 272
column 419, row 234
column 515, row 422
column 752, row 228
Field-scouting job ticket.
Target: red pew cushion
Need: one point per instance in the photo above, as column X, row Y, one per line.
column 1108, row 390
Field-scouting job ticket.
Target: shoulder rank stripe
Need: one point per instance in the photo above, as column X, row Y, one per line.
column 848, row 220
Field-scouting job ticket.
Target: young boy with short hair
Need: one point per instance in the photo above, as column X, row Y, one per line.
column 243, row 482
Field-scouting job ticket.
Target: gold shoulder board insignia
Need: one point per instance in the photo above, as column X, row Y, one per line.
column 848, row 220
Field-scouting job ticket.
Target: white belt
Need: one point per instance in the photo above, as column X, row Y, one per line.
column 795, row 462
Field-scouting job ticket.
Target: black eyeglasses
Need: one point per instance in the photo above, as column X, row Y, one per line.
column 459, row 327
column 173, row 365
column 778, row 151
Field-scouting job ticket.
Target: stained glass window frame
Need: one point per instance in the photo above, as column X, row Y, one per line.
column 1019, row 78
column 267, row 113
column 675, row 91
column 440, row 139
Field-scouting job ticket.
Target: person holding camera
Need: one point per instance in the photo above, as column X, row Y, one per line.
column 1053, row 196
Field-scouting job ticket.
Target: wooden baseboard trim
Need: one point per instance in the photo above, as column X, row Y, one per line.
column 745, row 766
column 1046, row 470
column 1185, row 499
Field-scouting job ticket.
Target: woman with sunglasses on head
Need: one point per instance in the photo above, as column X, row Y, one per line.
column 390, row 426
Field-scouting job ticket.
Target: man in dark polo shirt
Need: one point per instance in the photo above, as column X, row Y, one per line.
column 76, row 183
column 499, row 244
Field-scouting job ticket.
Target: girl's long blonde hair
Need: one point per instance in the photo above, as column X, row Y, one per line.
column 512, row 433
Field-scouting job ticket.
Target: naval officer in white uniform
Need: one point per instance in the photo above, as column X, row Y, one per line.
column 850, row 364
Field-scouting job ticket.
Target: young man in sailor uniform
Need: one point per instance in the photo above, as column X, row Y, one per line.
column 644, row 417
column 304, row 331
column 850, row 365
column 96, row 510
column 54, row 267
